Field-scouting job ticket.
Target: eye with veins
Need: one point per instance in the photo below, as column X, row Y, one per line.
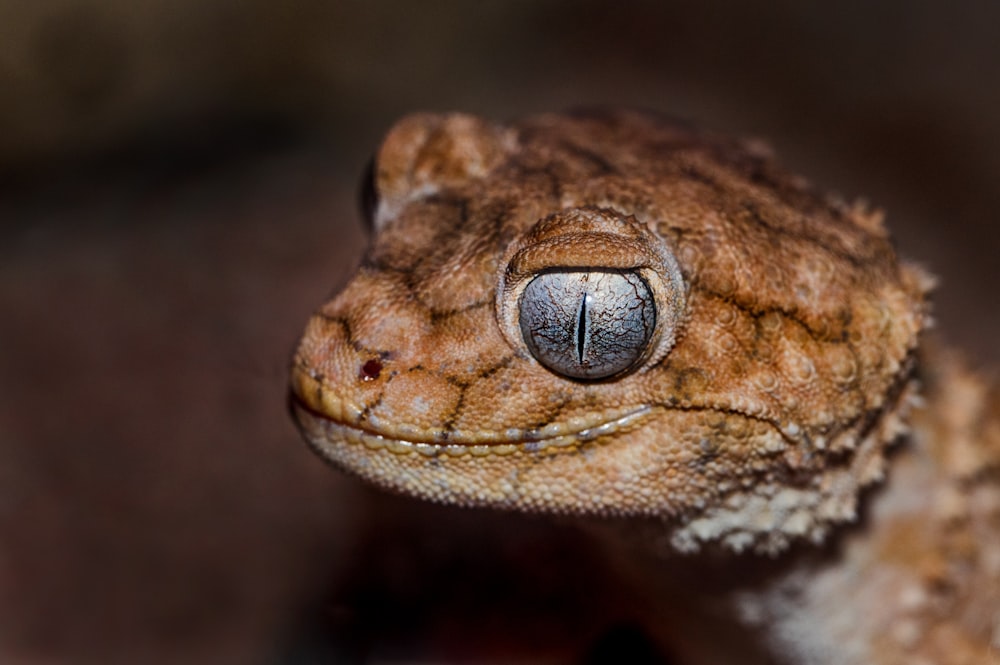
column 590, row 293
column 587, row 324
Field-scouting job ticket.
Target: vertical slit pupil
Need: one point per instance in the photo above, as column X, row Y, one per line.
column 581, row 329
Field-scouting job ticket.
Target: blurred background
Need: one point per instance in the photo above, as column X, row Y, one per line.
column 177, row 193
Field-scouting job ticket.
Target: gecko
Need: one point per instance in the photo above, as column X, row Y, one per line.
column 621, row 318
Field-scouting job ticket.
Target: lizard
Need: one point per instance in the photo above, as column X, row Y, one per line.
column 619, row 317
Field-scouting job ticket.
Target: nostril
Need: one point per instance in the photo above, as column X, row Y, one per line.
column 370, row 370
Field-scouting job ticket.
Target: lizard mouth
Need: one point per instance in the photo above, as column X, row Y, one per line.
column 322, row 430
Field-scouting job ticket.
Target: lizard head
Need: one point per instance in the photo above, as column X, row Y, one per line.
column 613, row 314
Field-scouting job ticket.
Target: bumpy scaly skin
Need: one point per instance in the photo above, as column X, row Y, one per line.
column 783, row 367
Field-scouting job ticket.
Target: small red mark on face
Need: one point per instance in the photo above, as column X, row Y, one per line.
column 370, row 370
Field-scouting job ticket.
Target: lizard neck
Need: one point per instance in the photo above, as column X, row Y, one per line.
column 903, row 566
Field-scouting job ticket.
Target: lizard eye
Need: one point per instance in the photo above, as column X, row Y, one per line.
column 590, row 293
column 587, row 324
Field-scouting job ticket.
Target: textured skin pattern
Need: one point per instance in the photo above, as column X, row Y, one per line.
column 785, row 366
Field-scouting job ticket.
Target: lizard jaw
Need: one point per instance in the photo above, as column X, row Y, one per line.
column 323, row 431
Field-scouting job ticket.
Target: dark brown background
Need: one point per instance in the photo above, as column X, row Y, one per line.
column 176, row 194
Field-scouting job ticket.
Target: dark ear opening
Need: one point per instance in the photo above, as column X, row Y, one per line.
column 368, row 196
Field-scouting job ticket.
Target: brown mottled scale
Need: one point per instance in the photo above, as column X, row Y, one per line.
column 783, row 377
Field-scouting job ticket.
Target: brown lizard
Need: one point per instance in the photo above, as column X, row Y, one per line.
column 614, row 315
